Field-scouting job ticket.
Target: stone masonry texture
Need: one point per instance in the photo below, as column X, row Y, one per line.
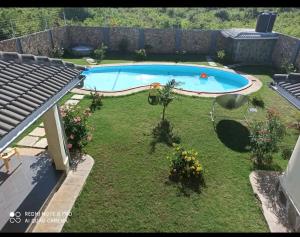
column 163, row 41
column 284, row 49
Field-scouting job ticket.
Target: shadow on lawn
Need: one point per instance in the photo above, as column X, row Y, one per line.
column 187, row 187
column 234, row 135
column 163, row 133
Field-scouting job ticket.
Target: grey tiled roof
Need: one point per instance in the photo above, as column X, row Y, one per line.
column 29, row 85
column 288, row 86
column 248, row 34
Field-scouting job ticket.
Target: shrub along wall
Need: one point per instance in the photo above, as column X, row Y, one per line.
column 162, row 41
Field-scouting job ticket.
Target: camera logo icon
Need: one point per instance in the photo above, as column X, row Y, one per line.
column 15, row 217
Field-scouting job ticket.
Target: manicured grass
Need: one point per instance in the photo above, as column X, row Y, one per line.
column 128, row 188
column 130, row 58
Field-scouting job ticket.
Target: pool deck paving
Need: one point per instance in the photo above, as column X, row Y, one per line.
column 211, row 62
column 255, row 85
column 61, row 204
column 38, row 132
column 72, row 102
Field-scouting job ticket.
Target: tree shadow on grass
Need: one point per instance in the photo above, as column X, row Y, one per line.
column 163, row 133
column 187, row 187
column 234, row 135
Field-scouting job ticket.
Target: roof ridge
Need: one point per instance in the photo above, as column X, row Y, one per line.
column 32, row 59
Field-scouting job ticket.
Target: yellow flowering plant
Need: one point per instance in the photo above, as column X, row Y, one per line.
column 185, row 166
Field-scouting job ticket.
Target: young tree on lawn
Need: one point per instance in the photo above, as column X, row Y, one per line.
column 166, row 95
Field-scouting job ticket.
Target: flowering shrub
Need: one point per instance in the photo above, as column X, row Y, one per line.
column 76, row 129
column 185, row 166
column 265, row 136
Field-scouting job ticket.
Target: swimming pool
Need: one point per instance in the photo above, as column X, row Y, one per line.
column 123, row 77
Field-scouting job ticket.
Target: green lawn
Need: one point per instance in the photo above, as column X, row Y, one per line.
column 128, row 189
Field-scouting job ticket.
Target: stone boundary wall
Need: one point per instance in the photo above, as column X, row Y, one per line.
column 165, row 41
column 286, row 48
column 197, row 41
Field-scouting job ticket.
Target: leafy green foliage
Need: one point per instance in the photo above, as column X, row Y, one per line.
column 257, row 101
column 186, row 168
column 265, row 136
column 57, row 52
column 287, row 67
column 96, row 100
column 31, row 19
column 166, row 95
column 100, row 52
column 286, row 153
column 140, row 54
column 77, row 14
column 76, row 129
column 179, row 55
column 221, row 55
column 223, row 15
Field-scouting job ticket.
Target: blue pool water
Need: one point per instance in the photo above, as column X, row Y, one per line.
column 118, row 78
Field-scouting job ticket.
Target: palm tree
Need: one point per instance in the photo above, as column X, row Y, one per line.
column 166, row 95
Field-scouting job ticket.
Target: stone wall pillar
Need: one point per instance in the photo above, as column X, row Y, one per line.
column 213, row 43
column 51, row 38
column 19, row 46
column 106, row 40
column 141, row 39
column 56, row 139
column 178, row 35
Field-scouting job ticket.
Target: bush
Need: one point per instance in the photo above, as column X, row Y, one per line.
column 287, row 67
column 96, row 101
column 257, row 101
column 223, row 15
column 57, row 52
column 140, row 54
column 265, row 136
column 75, row 13
column 221, row 55
column 186, row 168
column 76, row 129
column 179, row 55
column 123, row 45
column 100, row 52
column 286, row 153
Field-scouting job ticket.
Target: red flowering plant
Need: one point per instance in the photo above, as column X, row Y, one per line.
column 265, row 136
column 77, row 131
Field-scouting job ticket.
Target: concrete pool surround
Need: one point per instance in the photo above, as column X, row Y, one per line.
column 253, row 85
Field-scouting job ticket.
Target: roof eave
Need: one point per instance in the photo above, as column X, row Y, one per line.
column 20, row 128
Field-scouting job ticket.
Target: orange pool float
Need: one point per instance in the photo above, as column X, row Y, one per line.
column 155, row 85
column 203, row 75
